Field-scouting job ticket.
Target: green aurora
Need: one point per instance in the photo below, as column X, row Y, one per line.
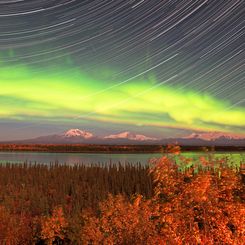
column 74, row 95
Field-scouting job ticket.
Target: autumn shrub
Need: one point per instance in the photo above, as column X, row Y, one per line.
column 203, row 204
column 118, row 221
column 203, row 207
column 53, row 228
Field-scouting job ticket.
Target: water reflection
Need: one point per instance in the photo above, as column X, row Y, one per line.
column 93, row 158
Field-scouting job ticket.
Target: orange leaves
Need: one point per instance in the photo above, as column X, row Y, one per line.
column 53, row 227
column 119, row 222
column 193, row 206
column 187, row 207
column 174, row 149
column 199, row 189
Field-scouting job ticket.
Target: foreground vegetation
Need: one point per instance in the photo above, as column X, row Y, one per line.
column 195, row 203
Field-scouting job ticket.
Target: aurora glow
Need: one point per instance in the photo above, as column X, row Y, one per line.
column 156, row 76
column 74, row 96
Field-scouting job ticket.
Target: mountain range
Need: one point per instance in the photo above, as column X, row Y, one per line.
column 77, row 136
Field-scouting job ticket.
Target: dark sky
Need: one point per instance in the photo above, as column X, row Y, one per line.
column 160, row 68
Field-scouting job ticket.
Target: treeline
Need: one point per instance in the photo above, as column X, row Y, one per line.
column 202, row 203
column 83, row 148
column 39, row 188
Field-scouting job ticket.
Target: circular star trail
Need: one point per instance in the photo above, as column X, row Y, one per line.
column 157, row 67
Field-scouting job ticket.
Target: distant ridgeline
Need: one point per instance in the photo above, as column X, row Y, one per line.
column 83, row 148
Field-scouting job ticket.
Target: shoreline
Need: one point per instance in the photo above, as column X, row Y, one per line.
column 112, row 149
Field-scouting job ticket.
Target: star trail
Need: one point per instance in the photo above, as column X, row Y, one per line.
column 164, row 68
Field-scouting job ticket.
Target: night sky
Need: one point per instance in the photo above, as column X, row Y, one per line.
column 159, row 68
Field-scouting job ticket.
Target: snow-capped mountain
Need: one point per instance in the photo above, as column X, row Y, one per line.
column 77, row 136
column 77, row 133
column 210, row 136
column 130, row 136
column 71, row 136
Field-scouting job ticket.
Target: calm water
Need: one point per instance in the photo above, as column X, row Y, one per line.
column 94, row 158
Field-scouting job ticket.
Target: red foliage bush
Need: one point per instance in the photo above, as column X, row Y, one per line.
column 53, row 227
column 187, row 208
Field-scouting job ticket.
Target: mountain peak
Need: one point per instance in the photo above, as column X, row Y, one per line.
column 130, row 136
column 214, row 136
column 77, row 133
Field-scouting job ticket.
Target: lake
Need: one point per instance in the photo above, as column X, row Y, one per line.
column 102, row 158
